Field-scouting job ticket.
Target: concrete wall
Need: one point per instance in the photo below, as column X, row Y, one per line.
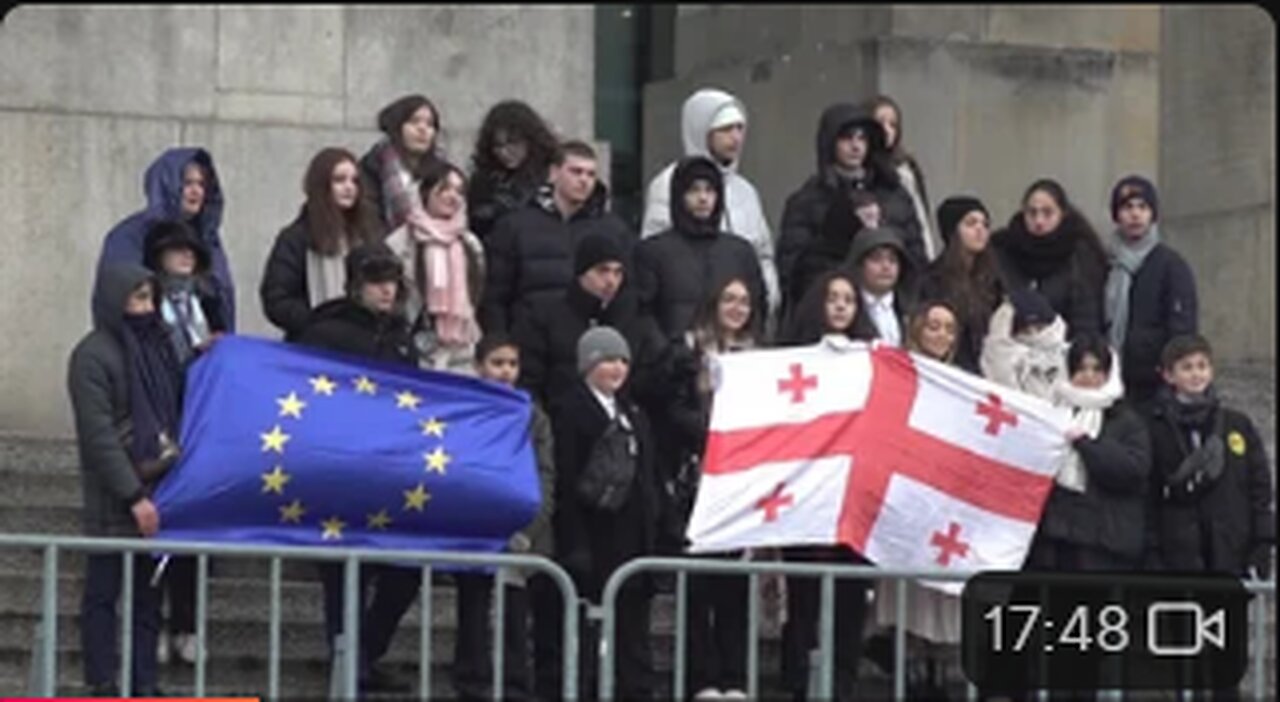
column 1217, row 167
column 90, row 95
column 993, row 97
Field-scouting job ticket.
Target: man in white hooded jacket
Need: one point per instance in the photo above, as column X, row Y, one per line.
column 713, row 124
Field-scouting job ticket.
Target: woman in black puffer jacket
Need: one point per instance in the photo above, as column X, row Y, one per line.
column 1051, row 248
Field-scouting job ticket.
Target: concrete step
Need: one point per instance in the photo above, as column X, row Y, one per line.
column 29, row 487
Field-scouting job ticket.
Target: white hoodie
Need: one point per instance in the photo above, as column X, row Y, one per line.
column 743, row 213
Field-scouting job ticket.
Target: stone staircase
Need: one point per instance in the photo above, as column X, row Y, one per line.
column 41, row 495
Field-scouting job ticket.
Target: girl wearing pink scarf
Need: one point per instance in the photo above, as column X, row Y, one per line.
column 445, row 266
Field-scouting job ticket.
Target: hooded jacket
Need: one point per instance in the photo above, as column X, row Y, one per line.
column 529, row 254
column 828, row 250
column 743, row 213
column 904, row 291
column 98, row 383
column 678, row 268
column 162, row 184
column 806, row 208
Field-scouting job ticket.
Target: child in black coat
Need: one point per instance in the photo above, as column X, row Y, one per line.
column 596, row 532
column 1211, row 506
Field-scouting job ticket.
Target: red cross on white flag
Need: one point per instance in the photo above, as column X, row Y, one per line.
column 910, row 462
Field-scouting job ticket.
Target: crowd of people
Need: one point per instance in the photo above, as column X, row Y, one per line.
column 514, row 270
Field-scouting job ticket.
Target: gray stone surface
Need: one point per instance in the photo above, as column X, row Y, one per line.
column 542, row 54
column 290, row 49
column 68, row 179
column 1217, row 166
column 145, row 61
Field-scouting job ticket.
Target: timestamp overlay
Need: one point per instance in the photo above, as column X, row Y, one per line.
column 1104, row 631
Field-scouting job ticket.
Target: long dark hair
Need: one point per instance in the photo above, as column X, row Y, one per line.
column 972, row 285
column 516, row 119
column 808, row 322
column 896, row 151
column 706, row 320
column 392, row 118
column 327, row 224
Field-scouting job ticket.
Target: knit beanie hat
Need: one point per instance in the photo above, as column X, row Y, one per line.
column 1131, row 187
column 953, row 210
column 1030, row 307
column 731, row 113
column 593, row 250
column 600, row 344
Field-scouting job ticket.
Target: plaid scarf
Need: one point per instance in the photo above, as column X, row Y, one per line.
column 400, row 198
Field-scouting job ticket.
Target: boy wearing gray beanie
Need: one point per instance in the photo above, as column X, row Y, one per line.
column 606, row 505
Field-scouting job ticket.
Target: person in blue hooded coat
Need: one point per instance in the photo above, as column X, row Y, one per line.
column 180, row 184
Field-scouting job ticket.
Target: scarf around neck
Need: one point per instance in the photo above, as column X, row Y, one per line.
column 155, row 384
column 326, row 275
column 1038, row 257
column 1126, row 259
column 1088, row 407
column 443, row 283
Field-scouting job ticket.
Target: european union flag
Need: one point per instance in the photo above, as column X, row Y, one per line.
column 290, row 445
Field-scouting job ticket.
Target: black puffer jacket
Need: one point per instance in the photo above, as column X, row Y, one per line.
column 1162, row 304
column 530, row 254
column 1063, row 266
column 1110, row 515
column 548, row 338
column 1231, row 525
column 828, row 250
column 346, row 326
column 806, row 209
column 283, row 291
column 677, row 269
column 491, row 196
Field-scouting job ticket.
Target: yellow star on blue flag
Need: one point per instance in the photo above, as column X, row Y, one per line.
column 283, row 444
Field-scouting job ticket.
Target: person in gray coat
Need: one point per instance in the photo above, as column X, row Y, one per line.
column 125, row 384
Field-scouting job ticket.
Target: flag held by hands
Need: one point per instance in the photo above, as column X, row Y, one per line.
column 288, row 445
column 910, row 462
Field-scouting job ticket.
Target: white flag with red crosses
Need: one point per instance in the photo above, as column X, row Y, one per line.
column 910, row 462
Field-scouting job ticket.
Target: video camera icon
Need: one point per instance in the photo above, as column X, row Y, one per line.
column 1204, row 628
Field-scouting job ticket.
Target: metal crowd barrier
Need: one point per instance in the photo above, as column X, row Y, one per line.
column 44, row 663
column 829, row 573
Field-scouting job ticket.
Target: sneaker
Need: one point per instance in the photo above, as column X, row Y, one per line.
column 185, row 645
column 733, row 694
column 162, row 648
column 708, row 693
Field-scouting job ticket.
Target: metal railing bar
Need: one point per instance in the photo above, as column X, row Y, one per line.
column 273, row 646
column 202, row 616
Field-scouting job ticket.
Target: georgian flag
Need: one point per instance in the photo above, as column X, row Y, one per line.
column 908, row 461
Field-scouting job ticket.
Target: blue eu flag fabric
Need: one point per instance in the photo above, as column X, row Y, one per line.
column 290, row 445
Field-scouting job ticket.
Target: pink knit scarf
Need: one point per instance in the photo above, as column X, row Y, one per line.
column 445, row 290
